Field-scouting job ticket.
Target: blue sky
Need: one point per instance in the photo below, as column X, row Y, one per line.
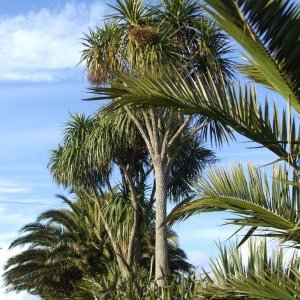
column 40, row 84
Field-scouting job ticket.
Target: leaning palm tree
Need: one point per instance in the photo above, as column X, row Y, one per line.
column 139, row 39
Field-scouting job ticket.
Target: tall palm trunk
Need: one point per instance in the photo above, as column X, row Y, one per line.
column 161, row 242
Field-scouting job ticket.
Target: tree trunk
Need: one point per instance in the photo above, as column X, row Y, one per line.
column 133, row 244
column 133, row 247
column 159, row 144
column 161, row 242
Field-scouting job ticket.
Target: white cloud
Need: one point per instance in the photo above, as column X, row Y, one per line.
column 27, row 138
column 10, row 187
column 44, row 45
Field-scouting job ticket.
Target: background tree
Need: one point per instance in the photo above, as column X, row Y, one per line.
column 85, row 161
column 66, row 246
column 61, row 247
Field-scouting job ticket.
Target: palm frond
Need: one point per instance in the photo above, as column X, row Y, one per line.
column 269, row 33
column 221, row 105
column 254, row 199
column 258, row 273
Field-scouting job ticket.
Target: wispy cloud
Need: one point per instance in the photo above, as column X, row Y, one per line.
column 44, row 45
column 28, row 138
column 10, row 187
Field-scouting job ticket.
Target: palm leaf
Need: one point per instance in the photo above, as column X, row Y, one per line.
column 258, row 273
column 269, row 33
column 223, row 106
column 250, row 197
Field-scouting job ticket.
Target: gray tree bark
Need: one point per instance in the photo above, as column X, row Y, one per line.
column 159, row 144
column 161, row 240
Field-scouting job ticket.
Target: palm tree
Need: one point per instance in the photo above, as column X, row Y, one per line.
column 90, row 150
column 233, row 106
column 142, row 39
column 67, row 245
column 61, row 247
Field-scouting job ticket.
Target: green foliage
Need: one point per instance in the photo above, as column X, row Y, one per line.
column 171, row 55
column 68, row 248
column 258, row 273
column 224, row 106
column 178, row 286
column 139, row 37
column 61, row 247
column 153, row 37
column 90, row 148
column 102, row 48
column 255, row 200
column 269, row 33
column 93, row 146
column 130, row 12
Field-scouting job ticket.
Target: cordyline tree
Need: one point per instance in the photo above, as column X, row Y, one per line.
column 268, row 31
column 97, row 149
column 90, row 150
column 138, row 39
